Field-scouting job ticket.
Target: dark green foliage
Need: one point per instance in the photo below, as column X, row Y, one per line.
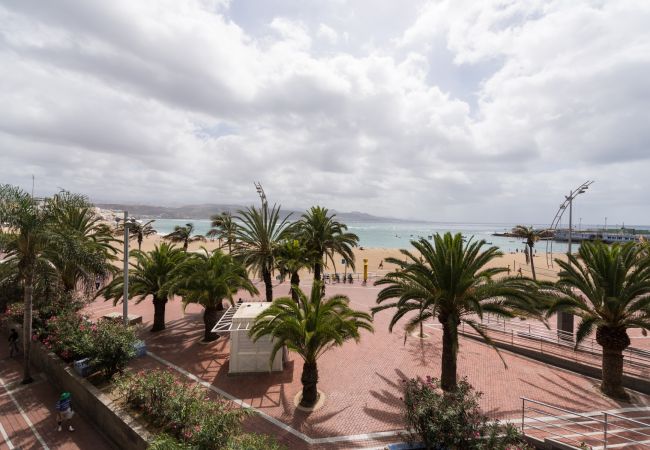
column 453, row 420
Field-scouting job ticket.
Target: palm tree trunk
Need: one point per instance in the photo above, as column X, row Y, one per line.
column 532, row 262
column 612, row 384
column 613, row 340
column 210, row 318
column 309, row 381
column 317, row 271
column 27, row 325
column 295, row 281
column 140, row 237
column 185, row 244
column 268, row 283
column 449, row 354
column 158, row 314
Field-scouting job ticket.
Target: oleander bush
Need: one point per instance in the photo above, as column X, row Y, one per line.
column 453, row 420
column 109, row 345
column 186, row 416
column 112, row 347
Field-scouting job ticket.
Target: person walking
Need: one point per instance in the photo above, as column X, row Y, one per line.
column 13, row 343
column 64, row 411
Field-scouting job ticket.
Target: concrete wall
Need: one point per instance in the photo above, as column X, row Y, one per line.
column 117, row 426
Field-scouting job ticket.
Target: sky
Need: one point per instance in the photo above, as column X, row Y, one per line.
column 454, row 110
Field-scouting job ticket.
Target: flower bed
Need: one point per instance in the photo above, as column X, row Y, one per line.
column 185, row 415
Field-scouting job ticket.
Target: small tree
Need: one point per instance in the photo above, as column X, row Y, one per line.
column 531, row 235
column 608, row 288
column 310, row 328
column 184, row 235
column 208, row 279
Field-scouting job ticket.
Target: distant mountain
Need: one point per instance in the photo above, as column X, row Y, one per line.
column 206, row 210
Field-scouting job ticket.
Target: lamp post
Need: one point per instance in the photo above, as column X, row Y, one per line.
column 125, row 295
column 565, row 320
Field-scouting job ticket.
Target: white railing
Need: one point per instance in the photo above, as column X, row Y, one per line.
column 594, row 430
column 535, row 336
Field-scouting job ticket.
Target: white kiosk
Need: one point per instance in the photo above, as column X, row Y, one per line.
column 247, row 356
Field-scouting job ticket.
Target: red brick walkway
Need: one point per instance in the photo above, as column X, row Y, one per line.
column 34, row 403
column 361, row 381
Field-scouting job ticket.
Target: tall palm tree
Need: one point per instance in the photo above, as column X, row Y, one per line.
column 310, row 328
column 81, row 247
column 138, row 231
column 26, row 236
column 224, row 228
column 208, row 279
column 292, row 257
column 184, row 235
column 150, row 274
column 531, row 235
column 449, row 281
column 258, row 237
column 326, row 237
column 608, row 288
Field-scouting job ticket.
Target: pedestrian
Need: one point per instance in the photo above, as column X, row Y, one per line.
column 64, row 411
column 381, row 264
column 13, row 343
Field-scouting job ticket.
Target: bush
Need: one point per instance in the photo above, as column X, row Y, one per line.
column 186, row 414
column 453, row 420
column 14, row 313
column 112, row 347
column 69, row 336
column 167, row 442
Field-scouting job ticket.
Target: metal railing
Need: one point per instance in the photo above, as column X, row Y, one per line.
column 600, row 429
column 537, row 337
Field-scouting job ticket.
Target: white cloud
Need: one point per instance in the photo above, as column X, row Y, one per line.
column 176, row 101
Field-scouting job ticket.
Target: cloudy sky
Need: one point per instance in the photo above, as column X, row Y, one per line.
column 444, row 110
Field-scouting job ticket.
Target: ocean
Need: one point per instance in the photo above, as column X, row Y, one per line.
column 399, row 234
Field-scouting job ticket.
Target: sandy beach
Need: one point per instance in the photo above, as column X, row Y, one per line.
column 375, row 256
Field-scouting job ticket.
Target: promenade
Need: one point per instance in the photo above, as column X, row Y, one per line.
column 27, row 417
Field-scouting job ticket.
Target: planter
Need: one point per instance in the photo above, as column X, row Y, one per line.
column 83, row 368
column 140, row 348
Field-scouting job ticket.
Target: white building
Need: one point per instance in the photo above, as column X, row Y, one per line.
column 247, row 356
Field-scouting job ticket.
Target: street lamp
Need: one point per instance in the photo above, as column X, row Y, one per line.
column 128, row 221
column 565, row 320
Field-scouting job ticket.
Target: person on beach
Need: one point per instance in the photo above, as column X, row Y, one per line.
column 64, row 411
column 13, row 343
column 381, row 264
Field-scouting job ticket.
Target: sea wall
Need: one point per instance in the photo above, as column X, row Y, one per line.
column 115, row 425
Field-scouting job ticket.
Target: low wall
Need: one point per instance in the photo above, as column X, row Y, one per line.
column 117, row 426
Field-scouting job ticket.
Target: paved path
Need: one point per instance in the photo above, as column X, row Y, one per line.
column 27, row 420
column 362, row 381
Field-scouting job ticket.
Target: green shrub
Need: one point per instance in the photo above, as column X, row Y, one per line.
column 453, row 420
column 184, row 412
column 112, row 347
column 69, row 335
column 167, row 442
column 252, row 441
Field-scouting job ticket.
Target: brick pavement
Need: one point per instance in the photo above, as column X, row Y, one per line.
column 362, row 381
column 37, row 402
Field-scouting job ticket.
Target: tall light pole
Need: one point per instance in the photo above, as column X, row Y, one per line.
column 565, row 320
column 125, row 295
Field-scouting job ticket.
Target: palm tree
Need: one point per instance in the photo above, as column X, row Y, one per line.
column 608, row 288
column 208, row 279
column 292, row 257
column 26, row 236
column 184, row 235
column 531, row 235
column 138, row 231
column 449, row 281
column 326, row 236
column 258, row 237
column 81, row 246
column 224, row 228
column 150, row 275
column 310, row 328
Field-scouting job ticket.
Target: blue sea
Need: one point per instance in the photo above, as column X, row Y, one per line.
column 399, row 234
